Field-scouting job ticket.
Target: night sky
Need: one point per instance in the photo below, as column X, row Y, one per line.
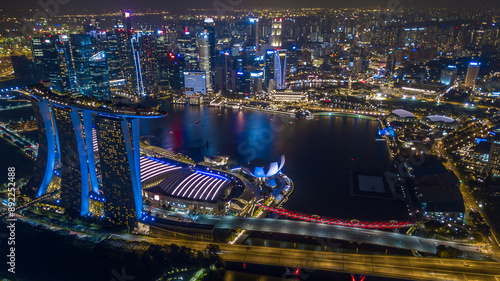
column 12, row 7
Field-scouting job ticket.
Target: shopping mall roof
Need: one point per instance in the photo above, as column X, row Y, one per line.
column 151, row 167
column 194, row 184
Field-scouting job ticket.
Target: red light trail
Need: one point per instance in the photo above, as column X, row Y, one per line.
column 339, row 222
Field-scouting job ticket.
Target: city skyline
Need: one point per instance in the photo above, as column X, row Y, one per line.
column 185, row 6
column 150, row 138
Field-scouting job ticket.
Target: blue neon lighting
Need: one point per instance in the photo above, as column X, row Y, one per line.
column 212, row 175
column 77, row 127
column 132, row 166
column 87, row 125
column 51, row 147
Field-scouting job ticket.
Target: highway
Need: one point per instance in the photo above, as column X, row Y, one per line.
column 366, row 236
column 39, row 199
column 467, row 196
column 375, row 265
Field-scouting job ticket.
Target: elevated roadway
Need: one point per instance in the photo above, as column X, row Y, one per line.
column 366, row 236
column 411, row 268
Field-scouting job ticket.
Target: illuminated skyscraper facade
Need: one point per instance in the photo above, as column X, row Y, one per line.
column 449, row 75
column 255, row 33
column 119, row 155
column 186, row 43
column 269, row 65
column 280, row 69
column 276, row 30
column 52, row 57
column 472, row 74
column 74, row 171
column 209, row 29
column 44, row 166
column 67, row 130
column 204, row 55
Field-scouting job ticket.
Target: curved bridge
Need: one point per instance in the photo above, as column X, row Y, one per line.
column 340, row 222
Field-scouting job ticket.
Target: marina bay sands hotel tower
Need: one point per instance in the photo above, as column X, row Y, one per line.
column 99, row 153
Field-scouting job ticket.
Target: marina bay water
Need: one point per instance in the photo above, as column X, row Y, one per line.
column 320, row 153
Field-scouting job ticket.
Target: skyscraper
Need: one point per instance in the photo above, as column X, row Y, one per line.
column 255, row 33
column 280, row 69
column 137, row 82
column 209, row 26
column 99, row 77
column 82, row 49
column 119, row 154
column 24, row 70
column 51, row 57
column 112, row 47
column 69, row 133
column 44, row 165
column 176, row 66
column 186, row 43
column 269, row 65
column 472, row 74
column 161, row 57
column 449, row 75
column 276, row 30
column 195, row 82
column 124, row 30
column 204, row 55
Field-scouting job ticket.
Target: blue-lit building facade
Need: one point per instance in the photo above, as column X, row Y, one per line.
column 280, row 69
column 99, row 156
column 195, row 82
column 52, row 57
column 449, row 75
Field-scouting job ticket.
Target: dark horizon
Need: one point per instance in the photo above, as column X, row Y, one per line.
column 22, row 7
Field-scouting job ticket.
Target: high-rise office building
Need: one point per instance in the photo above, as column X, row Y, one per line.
column 204, row 55
column 123, row 28
column 449, row 75
column 269, row 66
column 137, row 84
column 162, row 57
column 186, row 43
column 472, row 74
column 146, row 61
column 24, row 70
column 82, row 49
column 276, row 30
column 99, row 77
column 256, row 82
column 195, row 82
column 112, row 47
column 176, row 67
column 51, row 57
column 280, row 69
column 209, row 29
column 255, row 33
